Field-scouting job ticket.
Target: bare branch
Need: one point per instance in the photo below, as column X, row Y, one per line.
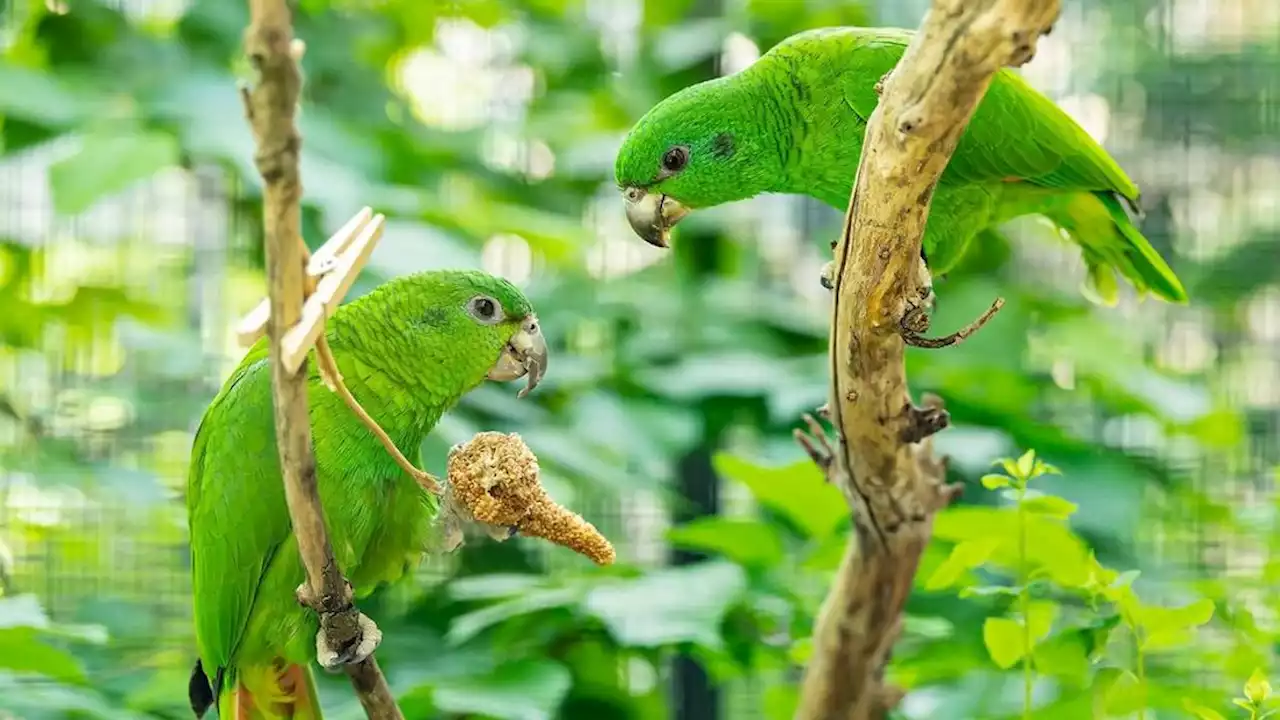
column 915, row 339
column 884, row 462
column 270, row 108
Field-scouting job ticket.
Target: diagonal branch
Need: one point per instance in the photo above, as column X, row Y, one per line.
column 270, row 107
column 884, row 462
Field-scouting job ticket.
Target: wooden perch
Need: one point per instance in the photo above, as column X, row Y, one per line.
column 270, row 107
column 884, row 462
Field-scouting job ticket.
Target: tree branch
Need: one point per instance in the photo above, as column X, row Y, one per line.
column 270, row 107
column 884, row 462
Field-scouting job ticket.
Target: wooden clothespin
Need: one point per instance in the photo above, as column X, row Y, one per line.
column 332, row 268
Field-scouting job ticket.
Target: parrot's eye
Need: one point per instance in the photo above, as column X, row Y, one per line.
column 675, row 159
column 485, row 309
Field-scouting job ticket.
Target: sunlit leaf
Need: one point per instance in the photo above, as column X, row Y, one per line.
column 1005, row 641
column 1049, row 506
column 1040, row 617
column 1201, row 712
column 995, row 481
column 23, row 650
column 799, row 491
column 1257, row 688
column 964, row 557
column 750, row 542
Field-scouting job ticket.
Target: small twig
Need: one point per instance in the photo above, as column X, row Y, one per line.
column 816, row 443
column 333, row 380
column 914, row 339
column 270, row 107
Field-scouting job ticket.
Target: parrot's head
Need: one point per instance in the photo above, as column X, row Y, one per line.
column 703, row 146
column 449, row 330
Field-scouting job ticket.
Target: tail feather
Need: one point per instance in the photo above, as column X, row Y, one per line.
column 270, row 693
column 1111, row 242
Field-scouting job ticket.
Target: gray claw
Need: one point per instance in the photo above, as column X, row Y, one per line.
column 370, row 639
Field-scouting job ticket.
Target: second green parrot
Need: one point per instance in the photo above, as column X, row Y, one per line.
column 793, row 122
column 407, row 351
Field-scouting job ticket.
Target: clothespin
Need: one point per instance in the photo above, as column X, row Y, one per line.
column 331, row 269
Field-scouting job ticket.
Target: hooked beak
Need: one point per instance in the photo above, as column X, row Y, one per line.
column 524, row 355
column 652, row 215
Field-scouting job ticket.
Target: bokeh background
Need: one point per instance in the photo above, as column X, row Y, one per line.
column 485, row 130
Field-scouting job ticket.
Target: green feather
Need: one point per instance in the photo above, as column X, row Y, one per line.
column 794, row 122
column 407, row 351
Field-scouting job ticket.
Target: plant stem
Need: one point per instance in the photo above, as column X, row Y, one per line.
column 1024, row 597
column 1140, row 666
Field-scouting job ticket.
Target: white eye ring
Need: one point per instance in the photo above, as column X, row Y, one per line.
column 485, row 310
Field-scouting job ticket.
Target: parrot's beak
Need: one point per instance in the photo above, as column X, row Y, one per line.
column 525, row 355
column 652, row 215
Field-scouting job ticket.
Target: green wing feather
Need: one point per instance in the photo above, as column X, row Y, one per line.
column 1020, row 137
column 1014, row 133
column 227, row 569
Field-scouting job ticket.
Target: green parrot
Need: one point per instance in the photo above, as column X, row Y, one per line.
column 408, row 351
column 793, row 122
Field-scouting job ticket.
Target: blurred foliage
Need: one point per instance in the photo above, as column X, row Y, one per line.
column 485, row 131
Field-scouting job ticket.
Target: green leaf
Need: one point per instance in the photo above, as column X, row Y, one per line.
column 1066, row 656
column 1155, row 619
column 747, row 542
column 1049, row 506
column 468, row 625
column 1125, row 694
column 1044, row 468
column 24, row 650
column 964, row 557
column 1040, row 617
column 1256, row 688
column 1241, row 702
column 798, row 491
column 672, row 605
column 800, row 651
column 107, row 163
column 1201, row 712
column 1004, row 640
column 519, row 690
column 1125, row 579
column 995, row 481
column 41, row 97
column 492, row 586
column 1026, row 464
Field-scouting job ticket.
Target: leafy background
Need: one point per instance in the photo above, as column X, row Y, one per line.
column 485, row 130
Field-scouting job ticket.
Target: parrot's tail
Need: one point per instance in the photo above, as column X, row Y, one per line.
column 270, row 692
column 1111, row 242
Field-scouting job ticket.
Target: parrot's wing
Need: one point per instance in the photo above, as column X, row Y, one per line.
column 1015, row 134
column 235, row 506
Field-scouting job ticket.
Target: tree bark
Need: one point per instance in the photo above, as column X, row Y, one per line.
column 884, row 461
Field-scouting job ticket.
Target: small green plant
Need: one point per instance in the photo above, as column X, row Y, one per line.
column 1059, row 611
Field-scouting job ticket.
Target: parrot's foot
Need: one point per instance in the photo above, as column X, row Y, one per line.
column 915, row 322
column 827, row 276
column 816, row 442
column 915, row 319
column 879, row 86
column 370, row 637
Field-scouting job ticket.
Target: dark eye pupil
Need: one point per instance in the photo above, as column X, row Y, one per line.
column 485, row 307
column 674, row 159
